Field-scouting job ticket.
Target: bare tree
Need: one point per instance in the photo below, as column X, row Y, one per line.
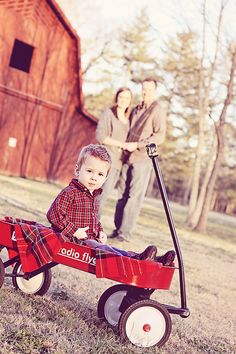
column 204, row 89
column 95, row 58
column 201, row 225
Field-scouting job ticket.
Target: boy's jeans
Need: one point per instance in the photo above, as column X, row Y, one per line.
column 96, row 244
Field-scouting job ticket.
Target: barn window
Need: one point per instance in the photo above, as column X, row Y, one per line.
column 21, row 56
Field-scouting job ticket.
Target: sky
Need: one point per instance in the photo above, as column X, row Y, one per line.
column 105, row 17
column 167, row 15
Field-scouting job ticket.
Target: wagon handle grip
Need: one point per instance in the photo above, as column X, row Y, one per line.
column 151, row 150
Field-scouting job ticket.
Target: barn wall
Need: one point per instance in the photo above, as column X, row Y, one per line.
column 53, row 68
column 39, row 109
column 47, row 143
column 26, row 129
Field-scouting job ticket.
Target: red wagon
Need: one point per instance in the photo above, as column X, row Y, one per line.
column 126, row 306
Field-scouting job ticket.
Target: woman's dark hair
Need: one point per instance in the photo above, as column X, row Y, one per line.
column 114, row 107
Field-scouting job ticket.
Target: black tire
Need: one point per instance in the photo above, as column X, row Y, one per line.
column 109, row 303
column 37, row 285
column 145, row 323
column 2, row 273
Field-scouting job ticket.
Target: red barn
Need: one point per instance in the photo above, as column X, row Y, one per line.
column 42, row 122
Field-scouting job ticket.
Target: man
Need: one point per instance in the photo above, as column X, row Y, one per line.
column 148, row 125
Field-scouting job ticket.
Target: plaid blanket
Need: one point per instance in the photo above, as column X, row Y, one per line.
column 111, row 265
column 144, row 274
column 36, row 243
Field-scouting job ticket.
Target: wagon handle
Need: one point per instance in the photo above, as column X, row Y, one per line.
column 152, row 153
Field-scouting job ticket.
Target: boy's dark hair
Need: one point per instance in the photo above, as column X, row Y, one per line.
column 95, row 150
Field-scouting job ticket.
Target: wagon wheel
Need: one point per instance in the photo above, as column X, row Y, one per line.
column 2, row 273
column 37, row 285
column 109, row 303
column 145, row 323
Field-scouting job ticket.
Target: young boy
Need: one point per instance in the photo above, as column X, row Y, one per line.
column 74, row 212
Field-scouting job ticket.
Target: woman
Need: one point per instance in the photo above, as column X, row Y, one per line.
column 112, row 131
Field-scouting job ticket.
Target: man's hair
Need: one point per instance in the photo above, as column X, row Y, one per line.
column 95, row 150
column 150, row 79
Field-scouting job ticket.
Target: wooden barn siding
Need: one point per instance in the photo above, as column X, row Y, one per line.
column 53, row 72
column 39, row 109
column 47, row 142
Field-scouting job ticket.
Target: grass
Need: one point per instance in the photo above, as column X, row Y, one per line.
column 65, row 319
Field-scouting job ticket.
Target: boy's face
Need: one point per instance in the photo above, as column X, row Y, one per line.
column 93, row 173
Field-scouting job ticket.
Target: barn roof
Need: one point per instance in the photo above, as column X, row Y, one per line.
column 63, row 19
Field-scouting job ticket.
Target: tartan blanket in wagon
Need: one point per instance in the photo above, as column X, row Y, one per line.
column 116, row 267
column 139, row 273
column 36, row 243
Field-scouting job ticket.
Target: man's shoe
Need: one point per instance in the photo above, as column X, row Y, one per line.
column 149, row 253
column 166, row 259
column 121, row 237
column 114, row 234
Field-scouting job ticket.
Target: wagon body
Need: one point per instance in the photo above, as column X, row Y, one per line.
column 128, row 306
column 143, row 274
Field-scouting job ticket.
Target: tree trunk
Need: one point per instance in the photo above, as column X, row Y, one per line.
column 187, row 192
column 201, row 225
column 197, row 169
column 202, row 222
column 197, row 212
column 201, row 135
column 214, row 201
column 204, row 94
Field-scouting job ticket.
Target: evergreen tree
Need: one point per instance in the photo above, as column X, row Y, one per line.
column 138, row 43
column 180, row 67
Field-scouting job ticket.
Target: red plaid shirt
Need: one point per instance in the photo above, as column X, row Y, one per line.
column 73, row 208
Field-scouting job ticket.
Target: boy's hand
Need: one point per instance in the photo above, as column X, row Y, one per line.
column 81, row 232
column 102, row 237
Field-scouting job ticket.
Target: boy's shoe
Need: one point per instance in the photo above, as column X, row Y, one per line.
column 166, row 259
column 149, row 253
